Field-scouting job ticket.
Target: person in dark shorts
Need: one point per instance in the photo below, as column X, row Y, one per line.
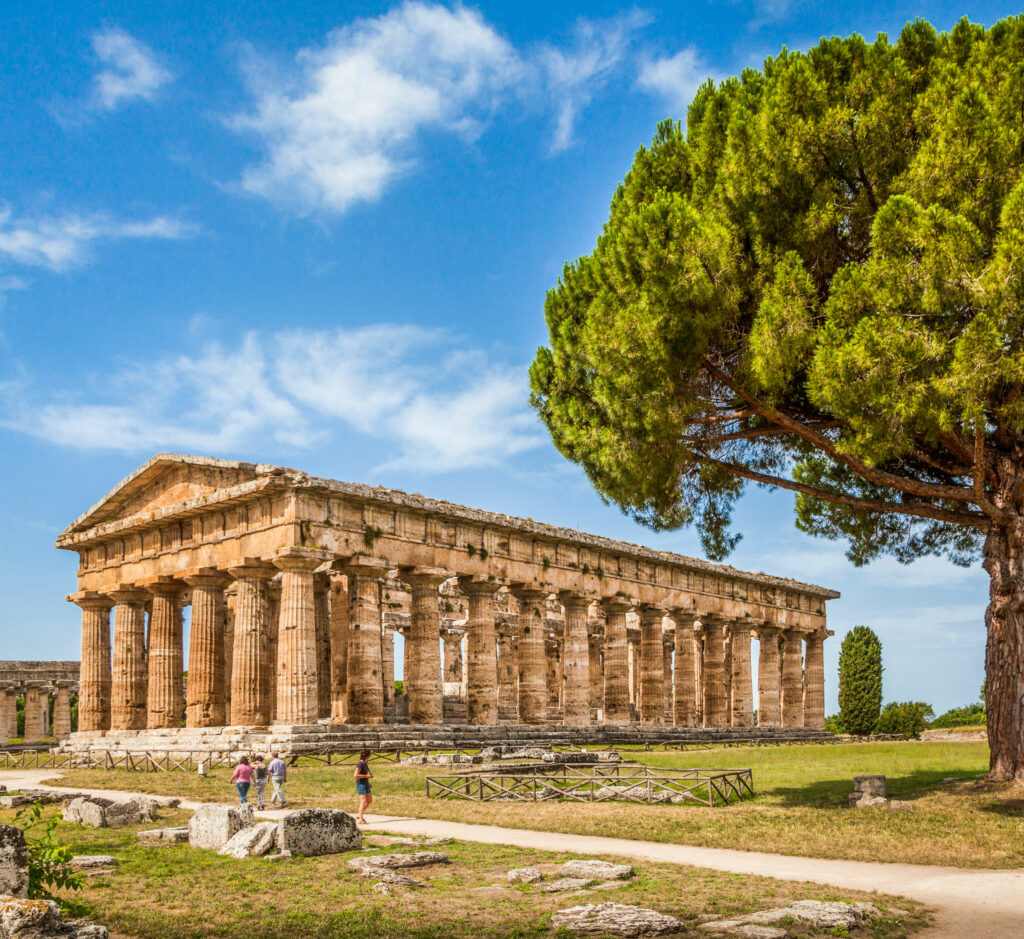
column 363, row 776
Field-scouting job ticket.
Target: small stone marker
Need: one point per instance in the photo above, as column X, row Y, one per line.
column 615, row 919
column 868, row 791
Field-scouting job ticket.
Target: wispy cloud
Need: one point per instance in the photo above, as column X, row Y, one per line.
column 297, row 387
column 676, row 78
column 62, row 241
column 130, row 70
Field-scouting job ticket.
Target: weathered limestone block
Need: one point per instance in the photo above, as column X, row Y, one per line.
column 164, row 834
column 13, row 862
column 83, row 811
column 254, row 841
column 566, row 883
column 311, row 832
column 821, row 914
column 596, row 870
column 392, row 861
column 41, row 919
column 136, row 809
column 390, row 878
column 869, row 791
column 615, row 919
column 86, row 862
column 524, row 875
column 213, row 826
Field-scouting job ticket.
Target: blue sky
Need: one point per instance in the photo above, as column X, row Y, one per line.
column 321, row 234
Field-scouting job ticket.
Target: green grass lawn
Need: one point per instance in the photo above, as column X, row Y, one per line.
column 176, row 892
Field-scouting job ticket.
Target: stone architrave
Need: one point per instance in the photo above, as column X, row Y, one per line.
column 204, row 700
column 363, row 682
column 769, row 712
column 616, row 661
column 595, row 648
column 652, row 694
column 667, row 645
column 62, row 711
column 508, row 674
column 683, row 684
column 339, row 647
column 575, row 660
column 814, row 681
column 249, row 671
column 532, row 664
column 94, row 673
column 716, row 700
column 165, row 700
column 298, row 692
column 742, row 690
column 130, row 680
column 35, row 695
column 792, row 679
column 273, row 588
column 321, row 600
column 482, row 661
column 424, row 685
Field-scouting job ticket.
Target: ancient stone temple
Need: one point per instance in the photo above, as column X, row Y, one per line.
column 45, row 687
column 297, row 587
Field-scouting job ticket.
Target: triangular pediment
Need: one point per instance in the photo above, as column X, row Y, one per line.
column 167, row 479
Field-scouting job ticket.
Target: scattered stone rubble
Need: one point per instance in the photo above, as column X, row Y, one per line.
column 615, row 919
column 821, row 914
column 106, row 813
column 233, row 832
column 392, row 861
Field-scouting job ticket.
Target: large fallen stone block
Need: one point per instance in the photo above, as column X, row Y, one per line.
column 213, row 826
column 164, row 834
column 595, row 870
column 615, row 919
column 566, row 883
column 85, row 862
column 254, row 841
column 83, row 811
column 105, row 813
column 822, row 914
column 13, row 862
column 41, row 919
column 310, row 832
column 131, row 811
column 419, row 859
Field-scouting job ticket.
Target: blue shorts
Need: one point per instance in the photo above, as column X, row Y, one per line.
column 362, row 789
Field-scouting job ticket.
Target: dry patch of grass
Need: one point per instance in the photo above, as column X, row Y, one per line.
column 175, row 892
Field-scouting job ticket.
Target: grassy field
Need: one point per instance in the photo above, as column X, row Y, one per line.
column 800, row 806
column 175, row 892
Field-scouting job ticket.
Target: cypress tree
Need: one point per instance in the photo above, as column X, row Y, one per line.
column 860, row 680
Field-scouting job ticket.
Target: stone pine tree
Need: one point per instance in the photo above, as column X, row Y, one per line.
column 860, row 680
column 819, row 286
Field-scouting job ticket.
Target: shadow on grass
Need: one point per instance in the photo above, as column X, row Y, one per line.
column 1011, row 807
column 830, row 793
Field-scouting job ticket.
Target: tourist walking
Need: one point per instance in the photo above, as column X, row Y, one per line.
column 278, row 779
column 242, row 778
column 260, row 778
column 363, row 776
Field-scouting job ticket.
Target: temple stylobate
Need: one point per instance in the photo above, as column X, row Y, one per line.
column 297, row 586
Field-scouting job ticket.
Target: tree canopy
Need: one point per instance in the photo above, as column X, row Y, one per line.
column 817, row 286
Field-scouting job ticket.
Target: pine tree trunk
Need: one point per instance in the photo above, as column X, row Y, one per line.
column 1004, row 653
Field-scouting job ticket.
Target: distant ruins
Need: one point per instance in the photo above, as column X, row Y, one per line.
column 298, row 584
column 37, row 682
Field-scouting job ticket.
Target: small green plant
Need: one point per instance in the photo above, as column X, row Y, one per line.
column 448, row 608
column 600, row 573
column 840, row 931
column 483, row 554
column 471, row 549
column 370, row 535
column 586, row 569
column 545, row 563
column 48, row 859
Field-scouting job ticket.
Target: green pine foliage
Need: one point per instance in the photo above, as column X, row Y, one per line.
column 860, row 680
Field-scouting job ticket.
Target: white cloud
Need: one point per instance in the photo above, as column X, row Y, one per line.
column 676, row 79
column 346, row 125
column 130, row 70
column 59, row 242
column 437, row 408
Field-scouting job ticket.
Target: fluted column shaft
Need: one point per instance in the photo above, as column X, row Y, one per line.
column 130, row 681
column 508, row 676
column 634, row 671
column 204, row 704
column 94, row 672
column 595, row 642
column 742, row 689
column 35, row 723
column 230, row 598
column 387, row 652
column 652, row 663
column 698, row 674
column 61, row 712
column 452, row 639
column 322, row 624
column 532, row 664
column 339, row 648
column 666, row 677
column 814, row 681
column 250, row 671
column 553, row 672
column 575, row 661
column 363, row 682
column 769, row 710
column 716, row 701
column 272, row 658
column 165, row 699
column 792, row 680
column 425, row 686
column 683, row 683
column 616, row 664
column 298, row 692
column 481, row 659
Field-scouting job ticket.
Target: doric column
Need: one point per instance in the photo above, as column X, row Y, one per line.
column 792, row 680
column 481, row 660
column 716, row 701
column 683, row 684
column 769, row 712
column 451, row 639
column 667, row 645
column 165, row 698
column 814, row 680
column 365, row 694
column 322, row 624
column 652, row 693
column 35, row 724
column 94, row 672
column 633, row 637
column 230, row 600
column 532, row 664
column 595, row 649
column 204, row 698
column 62, row 711
column 616, row 665
column 508, row 674
column 698, row 673
column 424, row 685
column 575, row 660
column 742, row 688
column 298, row 693
column 387, row 653
column 129, row 683
column 339, row 648
column 250, row 672
column 269, row 684
column 8, row 712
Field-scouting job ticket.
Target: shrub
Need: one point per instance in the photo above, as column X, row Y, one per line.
column 399, row 687
column 907, row 718
column 48, row 859
column 966, row 716
column 834, row 723
column 860, row 680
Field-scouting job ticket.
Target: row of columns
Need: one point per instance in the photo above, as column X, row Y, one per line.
column 37, row 696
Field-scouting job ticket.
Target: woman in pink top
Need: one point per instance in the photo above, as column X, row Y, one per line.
column 242, row 778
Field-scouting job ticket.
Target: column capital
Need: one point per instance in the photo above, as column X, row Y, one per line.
column 205, row 577
column 529, row 593
column 471, row 584
column 164, row 586
column 363, row 566
column 424, row 576
column 90, row 600
column 298, row 558
column 767, row 630
column 322, row 579
column 652, row 612
column 683, row 614
column 128, row 594
column 574, row 599
column 616, row 604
